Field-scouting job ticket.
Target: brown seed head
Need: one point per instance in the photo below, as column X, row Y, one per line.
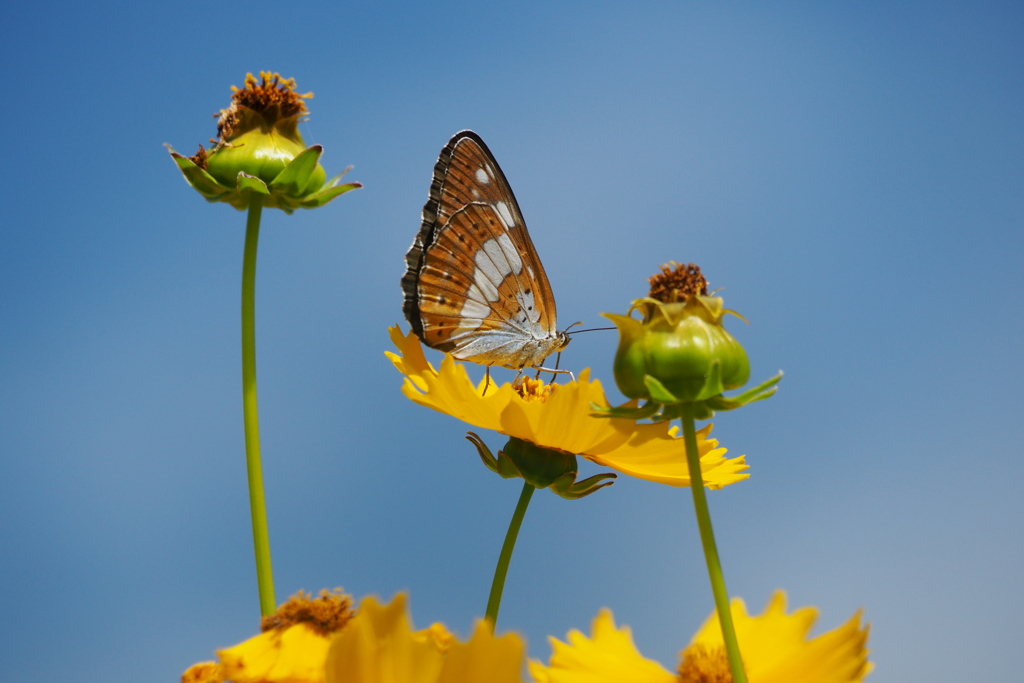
column 271, row 95
column 325, row 614
column 677, row 283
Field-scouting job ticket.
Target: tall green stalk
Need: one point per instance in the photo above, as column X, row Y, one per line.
column 257, row 501
column 707, row 539
column 501, row 570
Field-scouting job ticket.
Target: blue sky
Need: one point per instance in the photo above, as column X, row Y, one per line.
column 849, row 174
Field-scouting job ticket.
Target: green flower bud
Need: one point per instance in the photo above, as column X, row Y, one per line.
column 679, row 351
column 258, row 146
column 678, row 345
column 259, row 154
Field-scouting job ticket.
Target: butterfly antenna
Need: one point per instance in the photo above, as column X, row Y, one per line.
column 591, row 329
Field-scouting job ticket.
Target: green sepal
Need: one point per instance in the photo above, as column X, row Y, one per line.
column 293, row 178
column 762, row 391
column 485, row 453
column 540, row 467
column 334, row 181
column 250, row 183
column 201, row 181
column 701, row 411
column 324, row 196
column 567, row 487
column 672, row 409
column 713, row 385
column 626, row 412
column 669, row 412
column 502, row 465
column 658, row 392
column 288, row 191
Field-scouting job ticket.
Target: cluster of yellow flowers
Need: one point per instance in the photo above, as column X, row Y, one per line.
column 379, row 645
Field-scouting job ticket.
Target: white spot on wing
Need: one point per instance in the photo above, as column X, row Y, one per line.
column 505, row 214
column 528, row 305
column 488, row 269
column 502, row 252
column 473, row 313
column 482, row 289
column 482, row 177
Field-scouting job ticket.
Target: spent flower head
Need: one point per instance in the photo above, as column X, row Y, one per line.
column 259, row 153
column 679, row 351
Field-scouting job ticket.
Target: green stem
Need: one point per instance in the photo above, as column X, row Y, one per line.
column 707, row 539
column 257, row 502
column 500, row 571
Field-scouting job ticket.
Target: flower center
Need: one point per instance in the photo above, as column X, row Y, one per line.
column 272, row 96
column 702, row 664
column 324, row 614
column 677, row 283
column 532, row 389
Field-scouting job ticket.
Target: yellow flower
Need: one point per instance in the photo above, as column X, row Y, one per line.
column 774, row 645
column 320, row 641
column 292, row 648
column 558, row 417
column 379, row 646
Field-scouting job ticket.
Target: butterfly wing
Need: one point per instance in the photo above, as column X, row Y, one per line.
column 474, row 286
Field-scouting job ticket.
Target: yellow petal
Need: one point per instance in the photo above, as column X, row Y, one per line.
column 379, row 646
column 291, row 655
column 659, row 455
column 609, row 656
column 203, row 672
column 775, row 648
column 484, row 658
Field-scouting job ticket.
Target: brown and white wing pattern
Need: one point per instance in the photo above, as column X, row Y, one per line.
column 474, row 286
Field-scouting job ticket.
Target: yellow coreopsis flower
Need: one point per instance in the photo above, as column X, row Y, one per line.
column 291, row 649
column 559, row 417
column 379, row 646
column 774, row 644
column 320, row 641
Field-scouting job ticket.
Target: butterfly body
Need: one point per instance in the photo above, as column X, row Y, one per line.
column 474, row 286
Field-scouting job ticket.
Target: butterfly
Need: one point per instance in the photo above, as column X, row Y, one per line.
column 474, row 286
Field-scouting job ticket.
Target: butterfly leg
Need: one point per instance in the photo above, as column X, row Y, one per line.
column 558, row 364
column 555, row 371
column 487, row 379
